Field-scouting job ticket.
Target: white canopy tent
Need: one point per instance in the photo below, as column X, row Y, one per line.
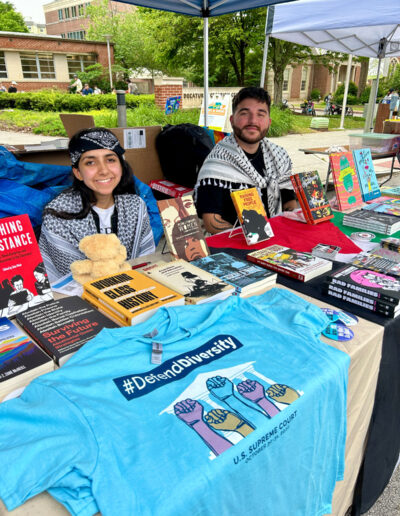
column 369, row 28
column 204, row 9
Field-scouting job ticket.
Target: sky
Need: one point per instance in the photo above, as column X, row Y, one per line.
column 31, row 8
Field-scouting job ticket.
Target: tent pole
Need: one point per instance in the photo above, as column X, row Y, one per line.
column 205, row 57
column 269, row 20
column 346, row 90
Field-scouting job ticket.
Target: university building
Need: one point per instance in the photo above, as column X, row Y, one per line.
column 43, row 61
column 67, row 18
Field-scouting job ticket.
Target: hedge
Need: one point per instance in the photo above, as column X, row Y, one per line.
column 65, row 102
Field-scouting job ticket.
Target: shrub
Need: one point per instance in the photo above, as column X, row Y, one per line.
column 353, row 89
column 315, row 94
column 351, row 100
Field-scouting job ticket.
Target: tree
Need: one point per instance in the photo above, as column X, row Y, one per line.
column 10, row 19
column 363, row 74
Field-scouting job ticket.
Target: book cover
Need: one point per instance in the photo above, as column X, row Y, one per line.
column 198, row 286
column 314, row 198
column 23, row 277
column 252, row 215
column 20, row 359
column 388, row 209
column 347, row 187
column 244, row 276
column 63, row 326
column 365, row 281
column 305, row 212
column 381, row 260
column 182, row 228
column 298, row 265
column 170, row 188
column 391, row 191
column 366, row 174
column 131, row 295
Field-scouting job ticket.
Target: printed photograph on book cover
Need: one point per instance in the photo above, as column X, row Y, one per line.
column 182, row 228
column 220, row 407
column 23, row 277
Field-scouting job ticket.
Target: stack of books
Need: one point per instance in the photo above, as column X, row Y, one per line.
column 247, row 278
column 311, row 196
column 372, row 221
column 388, row 208
column 196, row 285
column 375, row 291
column 129, row 297
column 286, row 261
column 20, row 359
column 391, row 243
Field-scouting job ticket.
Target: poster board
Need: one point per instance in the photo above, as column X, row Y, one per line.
column 218, row 113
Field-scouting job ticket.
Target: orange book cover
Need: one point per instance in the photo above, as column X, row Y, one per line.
column 345, row 179
column 315, row 200
column 182, row 228
column 252, row 216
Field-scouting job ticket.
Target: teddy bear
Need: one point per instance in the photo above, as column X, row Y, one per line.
column 106, row 255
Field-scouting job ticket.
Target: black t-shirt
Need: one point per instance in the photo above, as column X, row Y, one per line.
column 216, row 199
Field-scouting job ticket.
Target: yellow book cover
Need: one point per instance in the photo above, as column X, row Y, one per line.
column 131, row 295
column 252, row 216
column 103, row 309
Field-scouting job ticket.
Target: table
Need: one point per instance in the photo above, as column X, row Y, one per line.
column 375, row 155
column 365, row 353
column 348, row 230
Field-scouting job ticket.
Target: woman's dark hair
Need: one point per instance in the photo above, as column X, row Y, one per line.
column 126, row 185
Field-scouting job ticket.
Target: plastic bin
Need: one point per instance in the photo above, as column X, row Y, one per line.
column 377, row 142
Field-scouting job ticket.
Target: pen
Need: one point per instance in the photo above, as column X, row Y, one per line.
column 140, row 265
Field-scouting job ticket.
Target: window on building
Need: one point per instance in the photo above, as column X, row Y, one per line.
column 3, row 68
column 63, row 36
column 60, row 14
column 73, row 11
column 304, row 74
column 286, row 76
column 78, row 62
column 38, row 65
column 66, row 12
column 81, row 10
column 78, row 34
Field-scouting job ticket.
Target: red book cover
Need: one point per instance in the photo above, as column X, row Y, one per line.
column 300, row 197
column 23, row 278
column 170, row 188
column 314, row 198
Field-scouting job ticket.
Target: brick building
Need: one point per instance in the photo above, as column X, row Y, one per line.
column 40, row 61
column 67, row 18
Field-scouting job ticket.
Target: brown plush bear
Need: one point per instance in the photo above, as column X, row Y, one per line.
column 106, row 255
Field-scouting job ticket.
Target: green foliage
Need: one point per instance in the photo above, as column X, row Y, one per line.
column 351, row 100
column 315, row 94
column 282, row 121
column 64, row 102
column 10, row 19
column 352, row 90
column 364, row 97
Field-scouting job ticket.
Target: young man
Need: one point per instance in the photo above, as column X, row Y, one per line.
column 87, row 90
column 77, row 84
column 244, row 159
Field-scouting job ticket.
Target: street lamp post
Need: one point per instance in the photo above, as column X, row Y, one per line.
column 108, row 37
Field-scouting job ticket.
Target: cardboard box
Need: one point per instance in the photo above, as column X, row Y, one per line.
column 391, row 126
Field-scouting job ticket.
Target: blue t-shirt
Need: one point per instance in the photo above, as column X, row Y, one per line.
column 245, row 414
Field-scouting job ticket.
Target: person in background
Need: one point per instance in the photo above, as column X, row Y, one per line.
column 244, row 159
column 3, row 89
column 13, row 87
column 394, row 101
column 328, row 102
column 97, row 90
column 132, row 88
column 102, row 199
column 77, row 84
column 87, row 90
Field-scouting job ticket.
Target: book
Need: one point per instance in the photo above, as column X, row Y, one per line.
column 362, row 300
column 132, row 296
column 63, row 326
column 23, row 277
column 388, row 209
column 311, row 196
column 384, row 199
column 366, row 174
column 182, row 228
column 196, row 285
column 298, row 265
column 391, row 191
column 20, row 359
column 247, row 278
column 372, row 221
column 170, row 188
column 391, row 243
column 365, row 281
column 345, row 180
column 326, row 251
column 252, row 215
column 381, row 260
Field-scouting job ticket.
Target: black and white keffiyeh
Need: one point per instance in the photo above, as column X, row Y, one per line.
column 59, row 238
column 227, row 164
column 91, row 140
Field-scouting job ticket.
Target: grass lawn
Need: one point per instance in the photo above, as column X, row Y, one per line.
column 49, row 123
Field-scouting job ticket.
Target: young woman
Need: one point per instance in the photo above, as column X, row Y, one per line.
column 102, row 199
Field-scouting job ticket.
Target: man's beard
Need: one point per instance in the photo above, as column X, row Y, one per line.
column 254, row 139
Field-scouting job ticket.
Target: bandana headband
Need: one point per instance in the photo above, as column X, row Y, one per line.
column 93, row 140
